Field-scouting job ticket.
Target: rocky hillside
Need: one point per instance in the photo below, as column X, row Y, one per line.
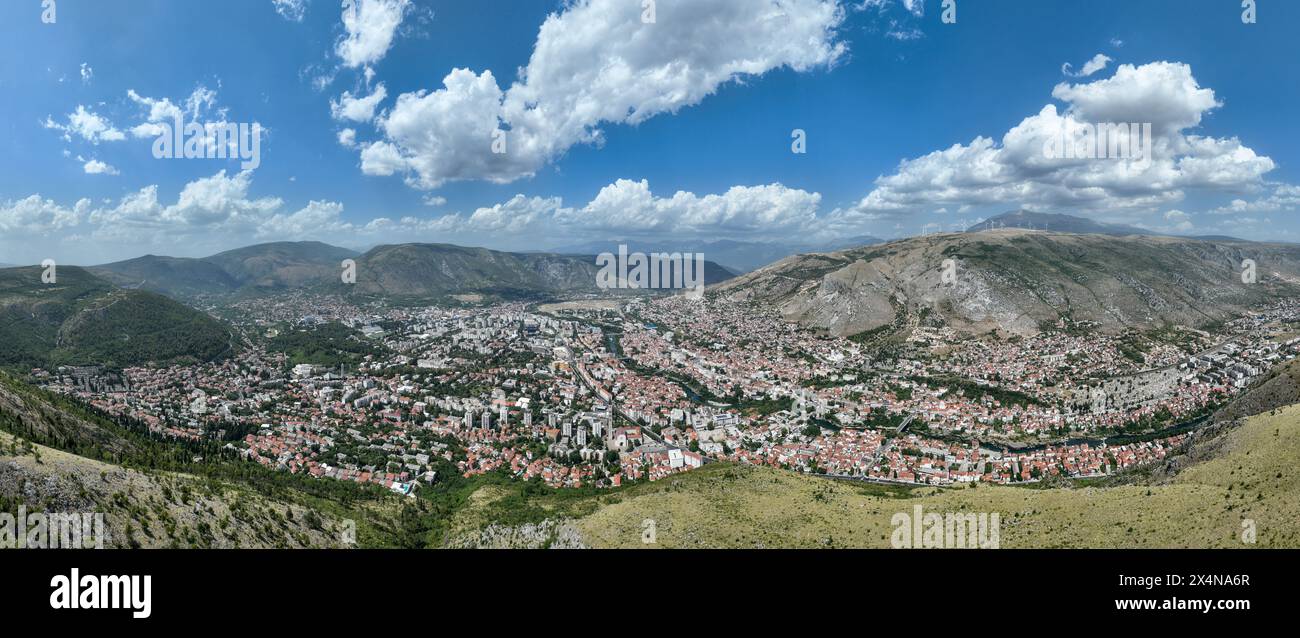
column 1279, row 388
column 142, row 508
column 154, row 509
column 1017, row 280
column 29, row 415
column 57, row 455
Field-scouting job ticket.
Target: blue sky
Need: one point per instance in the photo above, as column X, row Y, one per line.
column 894, row 103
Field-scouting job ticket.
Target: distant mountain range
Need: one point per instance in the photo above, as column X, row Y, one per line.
column 1060, row 223
column 409, row 271
column 434, row 270
column 1054, row 222
column 1017, row 280
column 737, row 256
column 260, row 268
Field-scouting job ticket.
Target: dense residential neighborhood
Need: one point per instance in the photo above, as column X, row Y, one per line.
column 607, row 392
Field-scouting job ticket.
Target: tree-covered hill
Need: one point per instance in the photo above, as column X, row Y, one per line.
column 80, row 319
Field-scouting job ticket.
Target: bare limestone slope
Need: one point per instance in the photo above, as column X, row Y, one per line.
column 1017, row 280
column 154, row 509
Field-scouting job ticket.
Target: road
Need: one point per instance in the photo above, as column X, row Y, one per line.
column 604, row 395
column 886, row 447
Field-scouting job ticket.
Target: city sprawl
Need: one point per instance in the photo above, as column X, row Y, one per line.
column 602, row 392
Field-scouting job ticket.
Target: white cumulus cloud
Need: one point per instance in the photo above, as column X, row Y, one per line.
column 1285, row 197
column 596, row 62
column 97, row 167
column 87, row 125
column 630, row 207
column 1018, row 172
column 369, row 29
column 357, row 108
column 347, row 137
column 1097, row 63
column 292, row 10
column 35, row 215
